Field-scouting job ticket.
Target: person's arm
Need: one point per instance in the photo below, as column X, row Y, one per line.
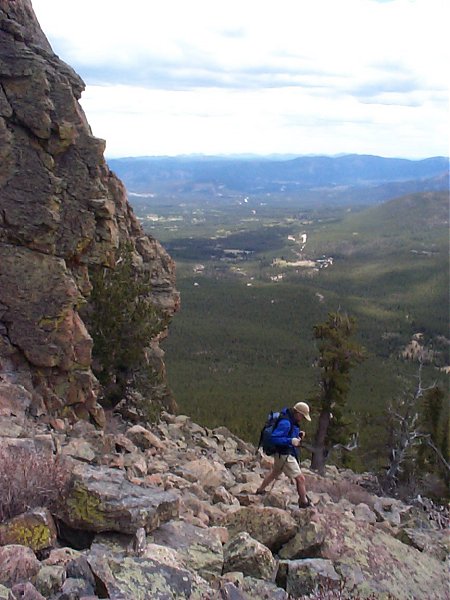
column 282, row 435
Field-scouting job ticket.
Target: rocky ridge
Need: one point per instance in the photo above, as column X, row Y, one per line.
column 169, row 511
column 61, row 211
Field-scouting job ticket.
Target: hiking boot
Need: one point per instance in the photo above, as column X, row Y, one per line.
column 307, row 504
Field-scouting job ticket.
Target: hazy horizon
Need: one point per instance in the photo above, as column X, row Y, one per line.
column 276, row 155
column 259, row 77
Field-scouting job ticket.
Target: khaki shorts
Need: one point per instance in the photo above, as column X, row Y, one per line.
column 287, row 464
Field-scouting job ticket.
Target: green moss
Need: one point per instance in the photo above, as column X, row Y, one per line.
column 36, row 536
column 82, row 246
column 52, row 323
column 84, row 506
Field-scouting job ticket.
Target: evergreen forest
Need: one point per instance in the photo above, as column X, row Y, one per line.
column 258, row 273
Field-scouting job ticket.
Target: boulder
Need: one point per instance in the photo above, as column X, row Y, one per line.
column 101, row 499
column 17, row 564
column 388, row 509
column 135, row 464
column 247, row 555
column 273, row 527
column 35, row 529
column 378, row 563
column 50, row 579
column 26, row 591
column 436, row 543
column 10, row 428
column 76, row 587
column 143, row 438
column 301, row 577
column 60, row 556
column 306, row 543
column 200, row 548
column 208, row 472
column 142, row 578
column 363, row 513
column 80, row 449
column 260, row 589
column 164, row 555
column 79, row 568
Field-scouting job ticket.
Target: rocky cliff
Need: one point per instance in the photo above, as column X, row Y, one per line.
column 62, row 211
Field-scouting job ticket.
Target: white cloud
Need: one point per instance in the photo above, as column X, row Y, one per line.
column 258, row 75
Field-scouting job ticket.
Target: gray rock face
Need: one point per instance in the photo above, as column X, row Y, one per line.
column 61, row 210
column 303, row 576
column 17, row 564
column 273, row 527
column 26, row 591
column 306, row 542
column 436, row 543
column 50, row 579
column 249, row 556
column 102, row 499
column 200, row 549
column 147, row 579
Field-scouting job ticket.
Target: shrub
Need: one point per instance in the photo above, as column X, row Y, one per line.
column 31, row 479
column 122, row 320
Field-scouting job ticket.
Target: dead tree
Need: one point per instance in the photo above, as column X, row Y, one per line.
column 352, row 445
column 404, row 416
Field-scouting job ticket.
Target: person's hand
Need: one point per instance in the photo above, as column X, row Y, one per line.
column 296, row 441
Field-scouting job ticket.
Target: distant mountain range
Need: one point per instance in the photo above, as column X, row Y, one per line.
column 316, row 174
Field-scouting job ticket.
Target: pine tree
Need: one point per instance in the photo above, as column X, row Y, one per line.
column 338, row 354
column 434, row 427
column 122, row 321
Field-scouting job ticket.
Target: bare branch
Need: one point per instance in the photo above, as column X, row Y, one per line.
column 404, row 416
column 352, row 444
column 429, row 442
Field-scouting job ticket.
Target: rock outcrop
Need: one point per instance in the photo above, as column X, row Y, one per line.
column 161, row 532
column 61, row 211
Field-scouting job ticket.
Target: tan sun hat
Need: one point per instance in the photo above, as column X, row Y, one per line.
column 303, row 409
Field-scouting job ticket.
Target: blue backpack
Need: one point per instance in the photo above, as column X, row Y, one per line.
column 265, row 441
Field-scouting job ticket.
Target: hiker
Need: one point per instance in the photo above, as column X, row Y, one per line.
column 287, row 437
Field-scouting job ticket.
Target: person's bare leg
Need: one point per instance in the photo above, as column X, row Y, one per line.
column 301, row 488
column 271, row 476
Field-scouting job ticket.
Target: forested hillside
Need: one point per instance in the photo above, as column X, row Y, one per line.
column 243, row 342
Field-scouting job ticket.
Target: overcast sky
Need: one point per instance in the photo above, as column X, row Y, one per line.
column 166, row 77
